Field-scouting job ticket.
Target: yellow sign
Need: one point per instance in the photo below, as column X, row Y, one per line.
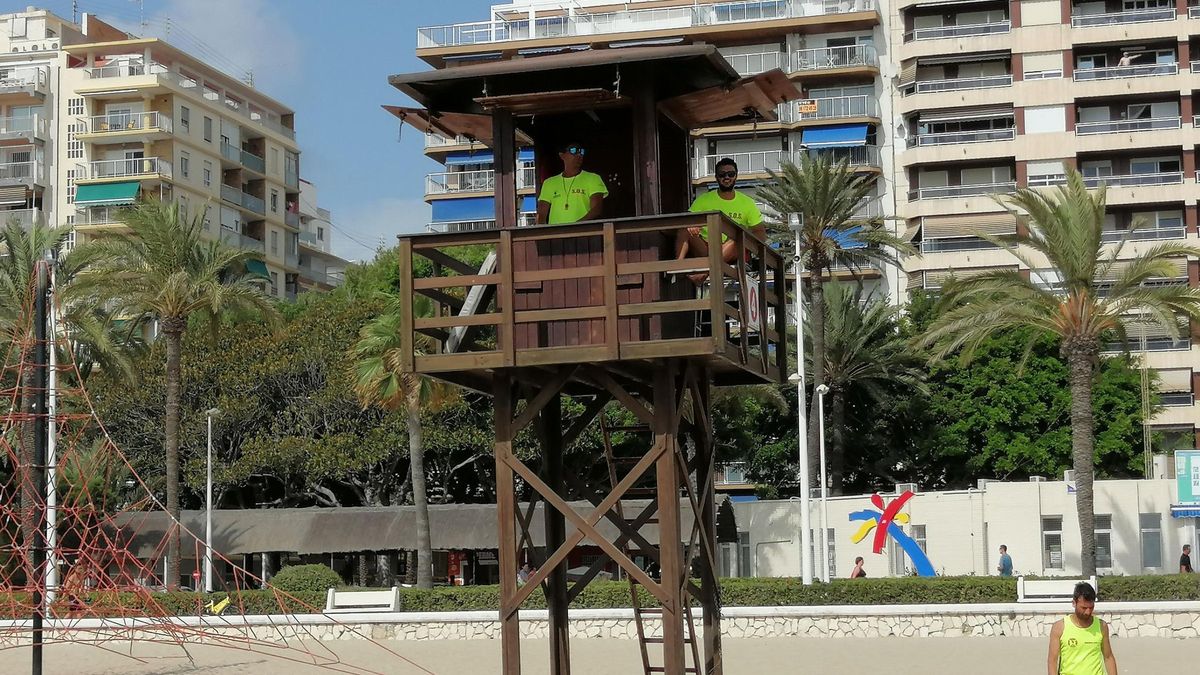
column 806, row 106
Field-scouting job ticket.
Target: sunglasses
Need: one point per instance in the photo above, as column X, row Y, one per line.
column 575, row 150
column 727, row 174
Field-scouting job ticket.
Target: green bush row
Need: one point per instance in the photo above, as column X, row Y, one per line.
column 614, row 594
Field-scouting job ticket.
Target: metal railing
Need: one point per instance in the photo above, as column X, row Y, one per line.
column 1052, row 74
column 120, row 168
column 1127, row 16
column 1046, row 180
column 239, row 240
column 826, row 58
column 1176, row 398
column 1164, row 178
column 758, row 62
column 437, row 140
column 956, row 137
column 1119, row 126
column 1121, row 72
column 631, row 20
column 129, row 68
column 98, row 215
column 732, row 473
column 958, row 83
column 1194, row 12
column 25, row 218
column 450, row 182
column 970, row 190
column 33, row 80
column 857, row 155
column 1153, row 344
column 34, row 126
column 20, row 172
column 955, row 244
column 839, row 106
column 763, row 160
column 939, row 32
column 131, row 121
column 1143, row 234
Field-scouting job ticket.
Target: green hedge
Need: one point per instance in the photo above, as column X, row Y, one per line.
column 306, row 579
column 602, row 595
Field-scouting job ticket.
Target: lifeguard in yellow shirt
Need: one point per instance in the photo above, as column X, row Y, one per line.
column 737, row 206
column 572, row 195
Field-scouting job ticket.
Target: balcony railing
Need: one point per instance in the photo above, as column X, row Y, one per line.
column 970, row 190
column 25, row 218
column 129, row 68
column 133, row 121
column 1153, row 344
column 20, row 172
column 1120, row 126
column 955, row 244
column 959, row 83
column 437, row 140
column 954, row 138
column 840, row 106
column 1128, row 16
column 123, row 168
column 1176, row 398
column 231, row 152
column 764, row 160
column 631, row 20
column 292, row 219
column 291, row 260
column 732, row 473
column 239, row 240
column 450, row 182
column 1046, row 180
column 1121, row 72
column 758, row 62
column 27, row 80
column 1194, row 12
column 98, row 215
column 939, row 32
column 231, row 194
column 34, row 126
column 255, row 204
column 1142, row 234
column 291, row 178
column 826, row 58
column 252, row 161
column 1052, row 74
column 1135, row 179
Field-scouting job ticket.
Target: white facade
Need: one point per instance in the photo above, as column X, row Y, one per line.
column 319, row 267
column 961, row 531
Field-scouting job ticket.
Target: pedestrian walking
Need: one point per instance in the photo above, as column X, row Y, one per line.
column 1185, row 560
column 1005, row 567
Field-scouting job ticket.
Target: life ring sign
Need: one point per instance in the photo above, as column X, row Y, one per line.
column 753, row 293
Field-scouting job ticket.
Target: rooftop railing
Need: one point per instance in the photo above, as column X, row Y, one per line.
column 1120, row 126
column 939, row 32
column 1127, row 16
column 959, row 83
column 1121, row 72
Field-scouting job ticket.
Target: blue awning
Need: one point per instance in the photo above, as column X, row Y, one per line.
column 836, row 136
column 1185, row 511
column 846, row 238
column 474, row 208
column 483, row 156
column 528, row 204
column 742, row 498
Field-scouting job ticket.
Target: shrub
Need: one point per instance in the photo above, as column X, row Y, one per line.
column 306, row 579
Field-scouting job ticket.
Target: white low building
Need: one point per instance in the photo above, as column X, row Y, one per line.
column 962, row 530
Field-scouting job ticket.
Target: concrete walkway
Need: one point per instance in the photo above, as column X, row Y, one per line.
column 895, row 656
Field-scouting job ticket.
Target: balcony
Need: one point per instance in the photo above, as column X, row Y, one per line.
column 31, row 81
column 1161, row 343
column 970, row 190
column 292, row 219
column 960, row 83
column 1142, row 234
column 126, row 124
column 231, row 152
column 291, row 260
column 1194, row 12
column 955, row 244
column 758, row 62
column 98, row 216
column 239, row 240
column 24, row 218
column 733, row 473
column 629, row 21
column 245, row 200
column 252, row 161
column 316, row 276
column 1128, row 16
column 940, row 32
column 21, row 173
column 452, row 182
column 29, row 128
column 1122, row 72
column 831, row 58
column 764, row 160
column 1121, row 126
column 291, row 178
column 835, row 107
column 139, row 167
column 1176, row 398
column 1135, row 179
column 957, row 137
column 438, row 141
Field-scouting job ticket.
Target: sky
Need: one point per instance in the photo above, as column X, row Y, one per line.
column 328, row 60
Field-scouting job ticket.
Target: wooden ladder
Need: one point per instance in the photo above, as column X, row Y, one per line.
column 642, row 614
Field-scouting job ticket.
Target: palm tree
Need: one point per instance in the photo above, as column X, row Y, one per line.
column 163, row 270
column 828, row 196
column 864, row 354
column 379, row 380
column 1065, row 226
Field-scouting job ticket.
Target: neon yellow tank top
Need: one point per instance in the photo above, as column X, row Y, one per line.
column 1080, row 650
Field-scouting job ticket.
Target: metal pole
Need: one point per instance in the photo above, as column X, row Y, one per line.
column 824, row 575
column 52, row 453
column 796, row 221
column 208, row 586
column 40, row 434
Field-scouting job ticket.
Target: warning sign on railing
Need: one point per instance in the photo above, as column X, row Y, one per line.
column 806, row 106
column 753, row 293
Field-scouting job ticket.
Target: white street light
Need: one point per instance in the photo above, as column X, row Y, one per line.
column 208, row 504
column 796, row 223
column 821, row 391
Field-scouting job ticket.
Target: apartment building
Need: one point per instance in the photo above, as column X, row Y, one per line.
column 952, row 103
column 92, row 118
column 320, row 269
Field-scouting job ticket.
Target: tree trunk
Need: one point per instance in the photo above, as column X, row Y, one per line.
column 817, row 377
column 173, row 332
column 410, row 567
column 1081, row 364
column 416, row 461
column 836, row 445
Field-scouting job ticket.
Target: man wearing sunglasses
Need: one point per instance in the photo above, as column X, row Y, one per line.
column 737, row 206
column 572, row 195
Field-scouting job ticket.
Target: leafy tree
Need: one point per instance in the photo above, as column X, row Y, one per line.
column 827, row 195
column 163, row 270
column 1065, row 227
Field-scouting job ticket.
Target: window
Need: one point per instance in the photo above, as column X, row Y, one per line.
column 185, row 159
column 1154, row 165
column 744, row 559
column 208, row 167
column 185, row 117
column 1091, row 61
column 207, row 217
column 274, row 201
column 18, row 26
column 1052, row 558
column 274, row 283
column 320, row 234
column 75, row 106
column 918, row 535
column 274, row 241
column 183, row 205
column 831, row 538
column 1151, row 528
column 208, row 128
column 70, row 186
column 1045, row 119
column 74, row 145
column 1103, row 541
column 274, row 167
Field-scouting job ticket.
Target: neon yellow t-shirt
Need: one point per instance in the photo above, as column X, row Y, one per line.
column 741, row 209
column 571, row 198
column 1080, row 649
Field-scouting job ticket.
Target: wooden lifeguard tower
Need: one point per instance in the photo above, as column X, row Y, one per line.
column 602, row 311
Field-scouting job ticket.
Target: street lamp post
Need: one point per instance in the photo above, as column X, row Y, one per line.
column 796, row 223
column 208, row 504
column 821, row 391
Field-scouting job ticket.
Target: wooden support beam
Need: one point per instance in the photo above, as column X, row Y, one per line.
column 510, row 628
column 598, row 564
column 710, row 596
column 672, row 572
column 548, row 394
column 550, row 423
column 621, row 394
column 585, row 419
column 445, row 259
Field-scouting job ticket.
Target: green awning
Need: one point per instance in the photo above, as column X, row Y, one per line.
column 257, row 268
column 107, row 193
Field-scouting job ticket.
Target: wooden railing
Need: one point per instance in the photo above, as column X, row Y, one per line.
column 593, row 292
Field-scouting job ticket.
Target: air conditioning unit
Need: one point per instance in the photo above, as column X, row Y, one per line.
column 1037, row 479
column 1069, row 475
column 1164, row 467
column 901, row 488
column 982, row 483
